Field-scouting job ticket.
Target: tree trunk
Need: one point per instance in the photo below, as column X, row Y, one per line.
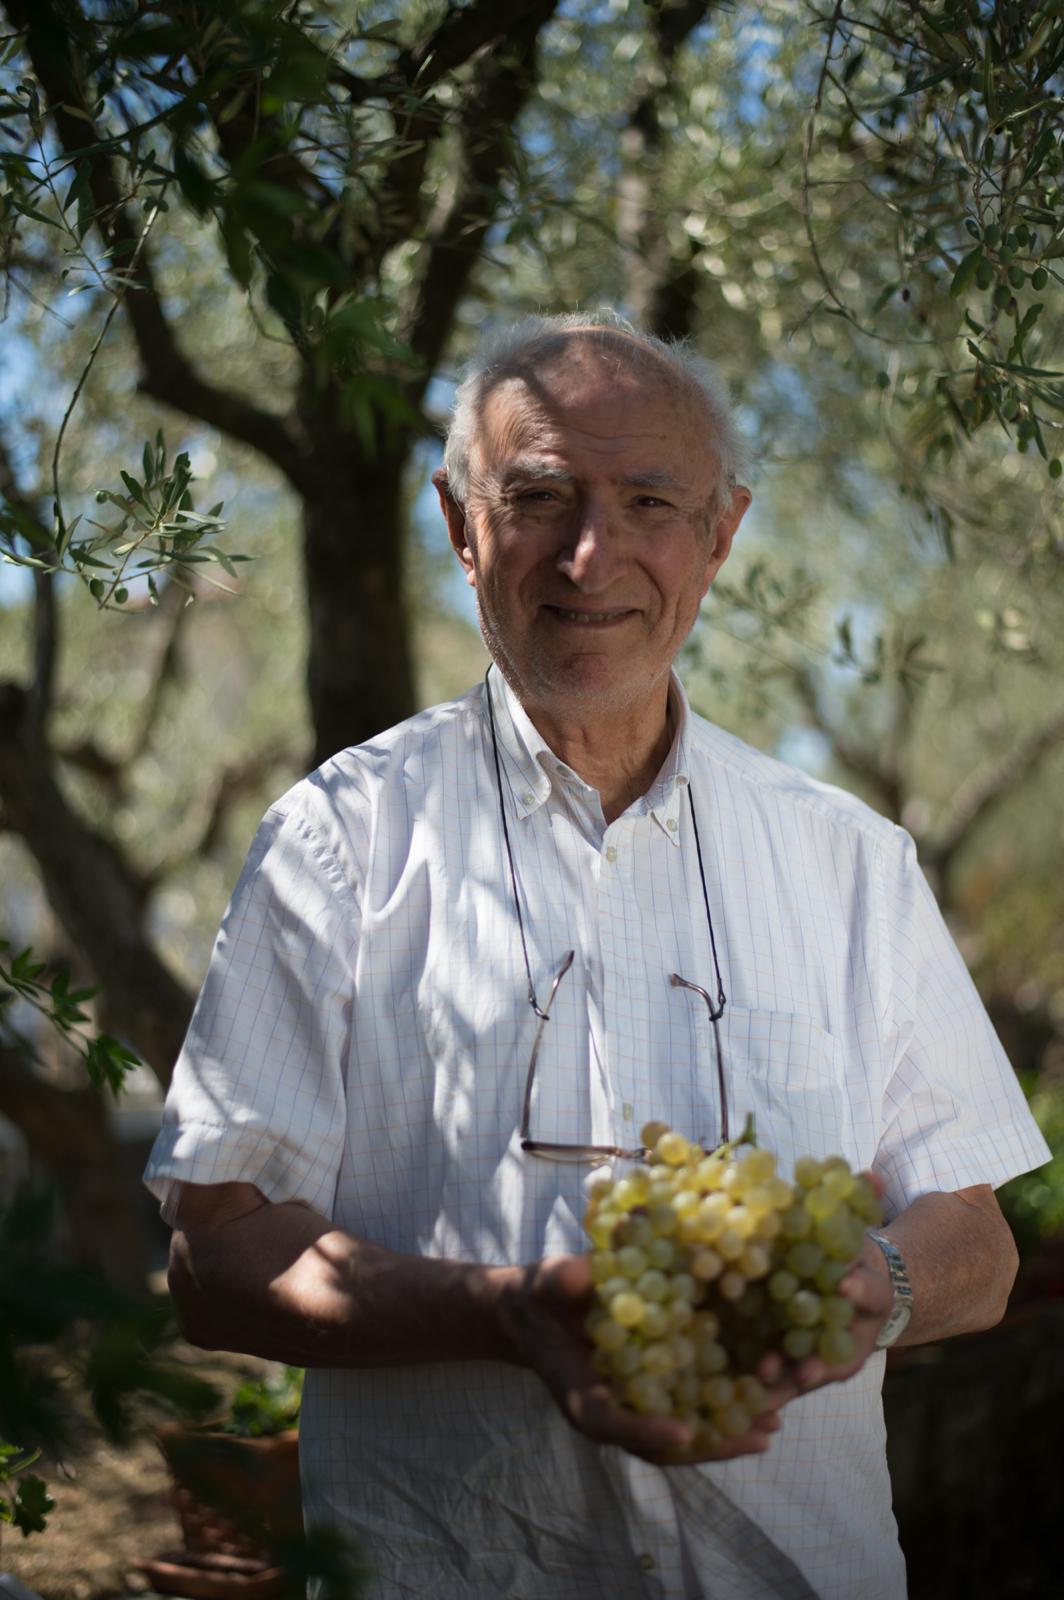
column 360, row 674
column 93, row 892
column 67, row 1130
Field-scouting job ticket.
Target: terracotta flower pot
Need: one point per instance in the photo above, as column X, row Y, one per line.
column 234, row 1496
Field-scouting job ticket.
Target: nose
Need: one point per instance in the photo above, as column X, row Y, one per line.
column 592, row 554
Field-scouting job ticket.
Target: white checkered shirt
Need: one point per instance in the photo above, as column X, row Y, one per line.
column 361, row 1044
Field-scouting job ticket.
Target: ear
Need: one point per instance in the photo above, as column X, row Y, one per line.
column 724, row 531
column 455, row 518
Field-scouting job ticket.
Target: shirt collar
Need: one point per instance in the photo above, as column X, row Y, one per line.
column 531, row 766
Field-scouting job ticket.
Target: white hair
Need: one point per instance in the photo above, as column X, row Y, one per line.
column 512, row 352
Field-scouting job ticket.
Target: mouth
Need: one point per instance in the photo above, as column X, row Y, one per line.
column 589, row 619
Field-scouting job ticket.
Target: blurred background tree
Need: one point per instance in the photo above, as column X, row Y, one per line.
column 269, row 233
column 272, row 232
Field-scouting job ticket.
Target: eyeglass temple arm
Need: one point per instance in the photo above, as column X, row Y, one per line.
column 715, row 1014
column 544, row 1018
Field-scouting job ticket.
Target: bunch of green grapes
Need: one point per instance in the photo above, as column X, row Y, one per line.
column 703, row 1263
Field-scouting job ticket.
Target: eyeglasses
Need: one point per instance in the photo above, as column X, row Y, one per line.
column 607, row 1152
column 594, row 1152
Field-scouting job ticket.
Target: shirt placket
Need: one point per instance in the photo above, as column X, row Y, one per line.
column 622, row 1024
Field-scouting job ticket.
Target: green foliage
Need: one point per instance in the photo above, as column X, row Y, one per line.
column 66, row 1332
column 264, row 1406
column 107, row 1061
column 27, row 1503
column 950, row 119
column 1034, row 1203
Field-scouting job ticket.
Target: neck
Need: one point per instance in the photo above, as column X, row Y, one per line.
column 620, row 757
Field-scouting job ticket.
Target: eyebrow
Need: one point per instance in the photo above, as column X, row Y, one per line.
column 539, row 471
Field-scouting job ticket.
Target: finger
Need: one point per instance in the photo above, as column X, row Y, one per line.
column 876, row 1181
column 564, row 1279
column 867, row 1291
column 771, row 1367
column 597, row 1414
column 755, row 1441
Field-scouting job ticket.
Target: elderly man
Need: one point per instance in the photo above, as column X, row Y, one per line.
column 375, row 1148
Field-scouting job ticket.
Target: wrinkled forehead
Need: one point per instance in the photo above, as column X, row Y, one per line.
column 545, row 397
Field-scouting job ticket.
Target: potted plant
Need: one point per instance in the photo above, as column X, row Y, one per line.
column 236, row 1492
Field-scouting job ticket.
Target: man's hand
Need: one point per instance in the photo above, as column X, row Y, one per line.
column 867, row 1284
column 543, row 1313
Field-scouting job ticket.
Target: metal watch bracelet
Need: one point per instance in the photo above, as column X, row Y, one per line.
column 902, row 1309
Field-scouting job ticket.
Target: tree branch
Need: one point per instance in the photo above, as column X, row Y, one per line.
column 464, row 31
column 45, row 620
column 167, row 374
column 67, row 1130
column 232, row 785
column 881, row 777
column 983, row 792
column 502, row 84
column 661, row 287
column 95, row 893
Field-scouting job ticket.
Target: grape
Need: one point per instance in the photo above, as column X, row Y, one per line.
column 750, row 1392
column 829, row 1274
column 706, row 1264
column 755, row 1261
column 626, row 1360
column 688, row 1390
column 710, row 1357
column 680, row 1314
column 653, row 1285
column 628, row 1309
column 795, row 1223
column 718, row 1392
column 799, row 1343
column 730, row 1244
column 672, row 1148
column 651, row 1132
column 661, row 1253
column 701, row 1264
column 821, row 1203
column 782, row 1285
column 839, row 1181
column 658, row 1358
column 803, row 1308
column 836, row 1346
column 733, row 1420
column 804, row 1257
column 655, row 1323
column 836, row 1311
column 603, row 1265
column 631, row 1261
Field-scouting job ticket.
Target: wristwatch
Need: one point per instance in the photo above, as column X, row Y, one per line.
column 902, row 1309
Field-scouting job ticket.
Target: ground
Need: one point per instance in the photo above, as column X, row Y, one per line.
column 112, row 1506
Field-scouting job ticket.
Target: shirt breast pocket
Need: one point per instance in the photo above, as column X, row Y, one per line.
column 785, row 1070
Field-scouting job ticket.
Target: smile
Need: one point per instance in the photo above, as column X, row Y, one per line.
column 586, row 618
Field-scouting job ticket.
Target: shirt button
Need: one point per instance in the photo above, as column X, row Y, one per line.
column 672, row 824
column 646, row 1561
column 527, row 799
column 627, row 1112
column 611, row 853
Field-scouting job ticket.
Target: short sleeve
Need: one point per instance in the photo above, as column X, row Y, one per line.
column 954, row 1114
column 258, row 1091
